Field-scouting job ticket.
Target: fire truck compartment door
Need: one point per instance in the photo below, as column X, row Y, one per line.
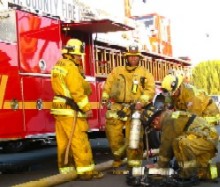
column 39, row 43
column 98, row 26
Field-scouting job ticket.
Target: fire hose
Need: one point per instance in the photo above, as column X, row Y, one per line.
column 62, row 178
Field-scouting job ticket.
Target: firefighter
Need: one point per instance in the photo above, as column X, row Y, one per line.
column 70, row 108
column 126, row 85
column 191, row 139
column 187, row 97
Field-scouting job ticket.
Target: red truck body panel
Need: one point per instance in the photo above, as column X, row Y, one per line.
column 25, row 78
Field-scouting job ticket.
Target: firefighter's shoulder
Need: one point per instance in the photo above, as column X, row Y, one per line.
column 142, row 68
column 193, row 89
column 180, row 113
column 143, row 71
column 64, row 62
column 118, row 69
column 187, row 85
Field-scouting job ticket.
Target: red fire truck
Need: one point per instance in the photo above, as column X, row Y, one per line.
column 30, row 45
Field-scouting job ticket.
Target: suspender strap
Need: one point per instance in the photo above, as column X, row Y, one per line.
column 189, row 122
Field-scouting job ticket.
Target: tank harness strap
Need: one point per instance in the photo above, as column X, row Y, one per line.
column 210, row 102
column 189, row 122
column 70, row 102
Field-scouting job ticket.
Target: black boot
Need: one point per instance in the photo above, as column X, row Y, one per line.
column 132, row 180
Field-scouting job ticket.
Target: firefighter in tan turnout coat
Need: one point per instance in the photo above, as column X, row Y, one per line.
column 187, row 97
column 188, row 138
column 126, row 85
column 70, row 108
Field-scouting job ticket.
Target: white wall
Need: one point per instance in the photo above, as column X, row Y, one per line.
column 191, row 20
column 3, row 4
column 115, row 7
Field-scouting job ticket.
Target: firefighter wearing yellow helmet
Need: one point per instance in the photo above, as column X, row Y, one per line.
column 187, row 97
column 171, row 83
column 126, row 85
column 189, row 138
column 70, row 108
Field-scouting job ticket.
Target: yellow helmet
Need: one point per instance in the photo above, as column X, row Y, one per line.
column 133, row 50
column 73, row 46
column 171, row 82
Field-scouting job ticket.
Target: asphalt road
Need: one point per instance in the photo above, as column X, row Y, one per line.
column 42, row 162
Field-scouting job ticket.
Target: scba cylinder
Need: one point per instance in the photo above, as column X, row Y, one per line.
column 135, row 131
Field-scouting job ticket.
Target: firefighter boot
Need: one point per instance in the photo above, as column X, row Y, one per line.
column 116, row 163
column 133, row 180
column 208, row 173
column 91, row 175
column 98, row 175
column 119, row 155
column 188, row 173
column 203, row 173
column 116, row 168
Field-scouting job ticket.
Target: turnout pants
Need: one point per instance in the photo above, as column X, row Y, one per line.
column 80, row 149
column 193, row 154
column 119, row 144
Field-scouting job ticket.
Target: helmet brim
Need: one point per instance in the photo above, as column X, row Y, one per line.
column 65, row 51
column 76, row 53
column 134, row 54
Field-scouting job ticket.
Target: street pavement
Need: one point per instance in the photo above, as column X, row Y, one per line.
column 42, row 162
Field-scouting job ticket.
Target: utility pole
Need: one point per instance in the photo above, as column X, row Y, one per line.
column 127, row 8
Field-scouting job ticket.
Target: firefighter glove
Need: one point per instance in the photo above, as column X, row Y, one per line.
column 121, row 114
